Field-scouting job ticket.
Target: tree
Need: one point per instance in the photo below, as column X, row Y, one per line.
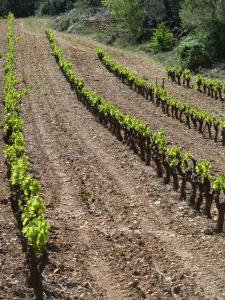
column 52, row 7
column 206, row 20
column 25, row 8
column 20, row 8
column 167, row 8
column 195, row 13
column 129, row 14
column 4, row 7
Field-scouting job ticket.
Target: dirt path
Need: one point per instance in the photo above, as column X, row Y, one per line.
column 118, row 233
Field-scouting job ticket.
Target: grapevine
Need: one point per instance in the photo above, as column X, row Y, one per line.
column 171, row 106
column 149, row 145
column 212, row 87
column 34, row 225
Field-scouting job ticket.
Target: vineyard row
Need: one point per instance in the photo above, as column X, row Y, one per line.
column 171, row 164
column 211, row 87
column 27, row 203
column 171, row 106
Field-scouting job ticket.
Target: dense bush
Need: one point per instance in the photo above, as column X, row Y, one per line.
column 21, row 8
column 24, row 8
column 216, row 30
column 206, row 20
column 203, row 47
column 162, row 39
column 196, row 50
column 87, row 3
column 54, row 7
column 83, row 21
column 4, row 7
column 129, row 17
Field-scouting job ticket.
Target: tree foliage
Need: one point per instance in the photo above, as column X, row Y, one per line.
column 196, row 13
column 21, row 8
column 24, row 8
column 129, row 14
column 136, row 14
column 206, row 20
column 52, row 7
column 162, row 39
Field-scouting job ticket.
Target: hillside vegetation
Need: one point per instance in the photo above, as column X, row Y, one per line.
column 195, row 29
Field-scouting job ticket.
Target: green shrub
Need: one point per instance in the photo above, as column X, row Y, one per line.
column 129, row 16
column 195, row 51
column 162, row 39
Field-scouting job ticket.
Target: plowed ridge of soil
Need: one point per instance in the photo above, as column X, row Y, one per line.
column 118, row 232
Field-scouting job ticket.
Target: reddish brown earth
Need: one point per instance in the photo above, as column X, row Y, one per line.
column 117, row 232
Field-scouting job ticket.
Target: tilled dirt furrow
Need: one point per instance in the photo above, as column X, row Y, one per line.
column 111, row 215
column 66, row 192
column 87, row 65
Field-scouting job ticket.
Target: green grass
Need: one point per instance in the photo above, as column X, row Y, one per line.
column 164, row 58
column 167, row 57
column 37, row 24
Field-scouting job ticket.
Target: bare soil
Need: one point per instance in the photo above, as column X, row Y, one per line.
column 117, row 232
